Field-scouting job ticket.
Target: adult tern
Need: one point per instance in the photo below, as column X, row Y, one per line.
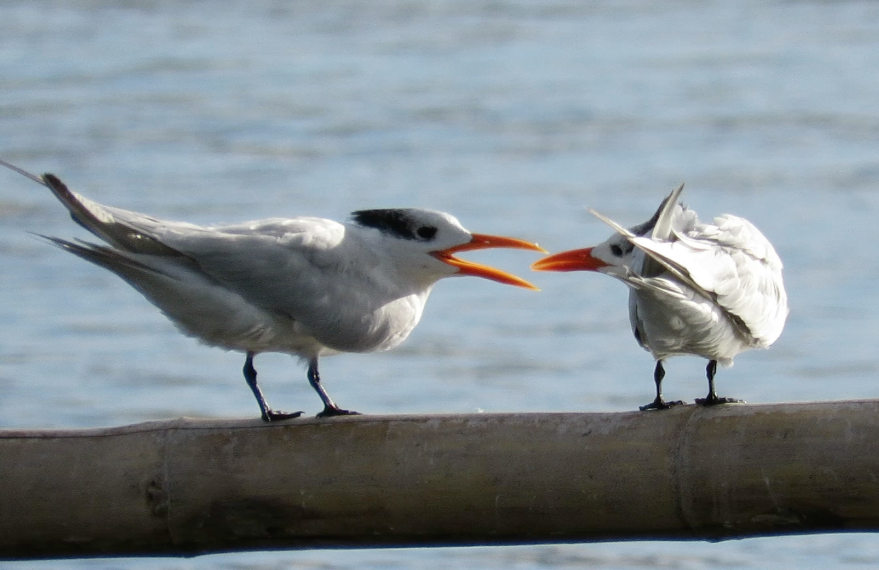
column 711, row 290
column 304, row 286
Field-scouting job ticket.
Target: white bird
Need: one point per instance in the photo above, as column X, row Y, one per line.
column 304, row 286
column 711, row 290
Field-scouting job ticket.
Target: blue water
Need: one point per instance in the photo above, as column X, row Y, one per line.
column 514, row 116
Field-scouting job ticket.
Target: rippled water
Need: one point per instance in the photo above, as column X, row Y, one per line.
column 514, row 116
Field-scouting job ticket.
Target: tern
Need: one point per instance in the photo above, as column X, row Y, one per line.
column 711, row 290
column 304, row 286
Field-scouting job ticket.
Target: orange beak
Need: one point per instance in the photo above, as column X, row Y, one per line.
column 574, row 260
column 482, row 241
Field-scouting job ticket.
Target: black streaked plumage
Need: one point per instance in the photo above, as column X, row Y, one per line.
column 394, row 221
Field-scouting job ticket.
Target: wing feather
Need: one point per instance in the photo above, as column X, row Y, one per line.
column 736, row 265
column 289, row 268
column 730, row 263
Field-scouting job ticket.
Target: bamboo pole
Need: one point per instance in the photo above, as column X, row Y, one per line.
column 187, row 487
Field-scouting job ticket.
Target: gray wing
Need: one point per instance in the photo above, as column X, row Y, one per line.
column 288, row 265
column 285, row 266
column 736, row 265
column 730, row 263
column 120, row 228
column 312, row 271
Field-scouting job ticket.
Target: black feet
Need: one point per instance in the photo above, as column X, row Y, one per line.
column 268, row 414
column 713, row 400
column 330, row 407
column 329, row 412
column 273, row 416
column 660, row 404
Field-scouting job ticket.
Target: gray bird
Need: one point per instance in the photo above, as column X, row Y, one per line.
column 303, row 286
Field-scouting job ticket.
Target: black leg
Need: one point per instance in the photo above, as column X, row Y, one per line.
column 659, row 403
column 712, row 399
column 268, row 415
column 330, row 407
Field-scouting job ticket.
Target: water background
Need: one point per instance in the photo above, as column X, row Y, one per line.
column 514, row 116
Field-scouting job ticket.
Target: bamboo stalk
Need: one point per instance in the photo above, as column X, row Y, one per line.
column 187, row 487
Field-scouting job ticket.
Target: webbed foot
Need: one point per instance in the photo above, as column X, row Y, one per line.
column 272, row 416
column 331, row 411
column 660, row 404
column 714, row 401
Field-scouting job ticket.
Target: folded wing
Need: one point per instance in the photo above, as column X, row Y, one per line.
column 730, row 263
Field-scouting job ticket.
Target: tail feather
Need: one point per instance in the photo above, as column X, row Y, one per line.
column 662, row 230
column 665, row 218
column 100, row 221
column 22, row 171
column 106, row 257
column 660, row 227
column 104, row 222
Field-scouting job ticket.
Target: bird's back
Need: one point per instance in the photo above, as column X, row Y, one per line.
column 302, row 285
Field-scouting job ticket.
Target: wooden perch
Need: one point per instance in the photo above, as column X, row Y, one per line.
column 187, row 487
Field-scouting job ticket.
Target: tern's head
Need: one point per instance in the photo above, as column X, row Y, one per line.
column 427, row 240
column 617, row 251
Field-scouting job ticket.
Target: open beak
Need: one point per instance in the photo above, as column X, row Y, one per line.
column 574, row 260
column 482, row 241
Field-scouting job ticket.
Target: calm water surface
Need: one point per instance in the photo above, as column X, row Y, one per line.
column 514, row 116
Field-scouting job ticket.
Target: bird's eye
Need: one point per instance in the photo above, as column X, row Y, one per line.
column 616, row 250
column 426, row 232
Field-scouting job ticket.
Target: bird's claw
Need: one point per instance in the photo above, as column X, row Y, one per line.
column 273, row 416
column 329, row 412
column 660, row 404
column 716, row 401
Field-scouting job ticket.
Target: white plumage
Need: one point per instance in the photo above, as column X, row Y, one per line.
column 712, row 290
column 304, row 286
